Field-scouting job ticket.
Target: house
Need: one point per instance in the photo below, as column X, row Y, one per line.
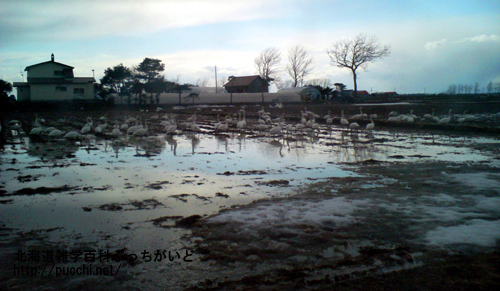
column 246, row 84
column 53, row 81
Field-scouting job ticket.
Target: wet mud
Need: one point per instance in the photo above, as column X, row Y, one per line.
column 384, row 242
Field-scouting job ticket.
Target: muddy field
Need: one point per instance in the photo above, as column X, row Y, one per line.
column 405, row 206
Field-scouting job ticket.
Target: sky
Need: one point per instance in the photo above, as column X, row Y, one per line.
column 434, row 43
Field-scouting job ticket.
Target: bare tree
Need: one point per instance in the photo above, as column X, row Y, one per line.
column 452, row 89
column 320, row 82
column 268, row 64
column 476, row 88
column 489, row 88
column 221, row 82
column 201, row 83
column 357, row 53
column 300, row 64
column 283, row 84
column 468, row 88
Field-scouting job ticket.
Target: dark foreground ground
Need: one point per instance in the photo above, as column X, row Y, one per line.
column 389, row 252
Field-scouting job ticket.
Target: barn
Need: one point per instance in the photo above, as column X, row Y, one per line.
column 246, row 84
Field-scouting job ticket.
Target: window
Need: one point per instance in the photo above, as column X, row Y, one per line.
column 79, row 90
column 61, row 89
column 58, row 73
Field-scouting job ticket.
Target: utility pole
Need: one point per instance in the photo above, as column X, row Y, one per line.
column 215, row 79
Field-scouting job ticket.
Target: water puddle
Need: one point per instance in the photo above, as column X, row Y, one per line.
column 132, row 193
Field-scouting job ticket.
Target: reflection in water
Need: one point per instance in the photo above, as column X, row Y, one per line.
column 50, row 151
column 148, row 146
column 88, row 141
column 314, row 139
column 340, row 144
column 355, row 152
column 118, row 145
column 173, row 143
column 277, row 144
column 195, row 141
column 222, row 139
column 139, row 178
column 241, row 141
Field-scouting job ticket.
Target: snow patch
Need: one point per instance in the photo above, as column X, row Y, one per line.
column 449, row 213
column 489, row 204
column 444, row 198
column 480, row 181
column 335, row 211
column 476, row 232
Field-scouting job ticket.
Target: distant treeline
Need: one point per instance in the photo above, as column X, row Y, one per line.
column 473, row 89
column 442, row 97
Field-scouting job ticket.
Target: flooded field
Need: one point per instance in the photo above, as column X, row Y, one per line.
column 305, row 208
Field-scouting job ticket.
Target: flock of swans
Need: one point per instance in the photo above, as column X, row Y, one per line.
column 150, row 125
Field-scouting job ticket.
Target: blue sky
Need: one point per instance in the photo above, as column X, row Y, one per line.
column 433, row 43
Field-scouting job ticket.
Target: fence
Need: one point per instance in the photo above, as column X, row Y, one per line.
column 219, row 98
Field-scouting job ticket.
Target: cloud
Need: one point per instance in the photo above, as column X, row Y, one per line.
column 435, row 44
column 432, row 45
column 484, row 38
column 76, row 19
column 193, row 36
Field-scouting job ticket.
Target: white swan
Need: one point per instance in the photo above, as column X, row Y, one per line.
column 72, row 135
column 134, row 128
column 37, row 129
column 445, row 120
column 276, row 129
column 141, row 131
column 242, row 123
column 88, row 126
column 360, row 115
column 343, row 120
column 116, row 131
column 224, row 126
column 195, row 127
column 371, row 125
column 56, row 133
column 171, row 129
column 353, row 125
column 261, row 127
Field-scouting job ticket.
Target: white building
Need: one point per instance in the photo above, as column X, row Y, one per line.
column 53, row 81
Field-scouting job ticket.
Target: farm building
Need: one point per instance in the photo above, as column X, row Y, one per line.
column 246, row 84
column 305, row 93
column 53, row 81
